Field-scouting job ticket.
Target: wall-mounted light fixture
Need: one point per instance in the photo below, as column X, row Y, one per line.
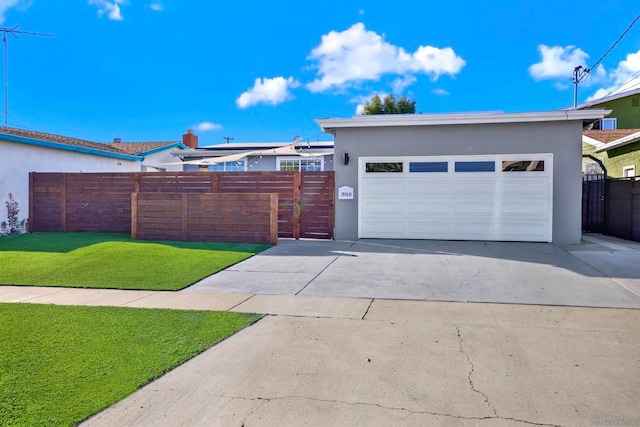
column 346, row 159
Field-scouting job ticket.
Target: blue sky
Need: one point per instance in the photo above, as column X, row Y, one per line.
column 263, row 71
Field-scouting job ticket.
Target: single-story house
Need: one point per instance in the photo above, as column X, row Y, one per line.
column 476, row 176
column 23, row 151
column 618, row 150
column 256, row 156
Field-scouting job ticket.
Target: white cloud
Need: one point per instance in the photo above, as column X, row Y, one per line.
column 626, row 76
column 557, row 62
column 440, row 92
column 5, row 5
column 158, row 7
column 267, row 91
column 354, row 55
column 401, row 83
column 109, row 8
column 207, row 126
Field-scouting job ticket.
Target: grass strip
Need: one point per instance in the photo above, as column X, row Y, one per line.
column 61, row 364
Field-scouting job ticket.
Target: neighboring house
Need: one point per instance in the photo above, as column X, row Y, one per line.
column 613, row 140
column 625, row 110
column 479, row 176
column 23, row 151
column 618, row 150
column 258, row 156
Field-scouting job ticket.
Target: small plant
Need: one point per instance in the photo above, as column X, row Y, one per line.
column 13, row 224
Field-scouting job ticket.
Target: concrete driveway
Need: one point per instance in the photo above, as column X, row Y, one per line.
column 601, row 272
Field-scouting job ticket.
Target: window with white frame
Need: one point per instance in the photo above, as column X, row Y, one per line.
column 629, row 171
column 239, row 166
column 300, row 163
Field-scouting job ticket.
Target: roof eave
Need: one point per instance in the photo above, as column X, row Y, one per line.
column 459, row 119
column 68, row 147
column 178, row 145
column 629, row 139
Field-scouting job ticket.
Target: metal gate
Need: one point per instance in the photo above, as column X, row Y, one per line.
column 593, row 203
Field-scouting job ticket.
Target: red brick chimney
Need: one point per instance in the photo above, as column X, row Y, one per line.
column 190, row 139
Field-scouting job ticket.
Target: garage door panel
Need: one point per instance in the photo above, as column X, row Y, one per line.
column 524, row 231
column 496, row 205
column 470, row 208
column 433, row 229
column 384, row 188
column 383, row 207
column 434, row 206
column 477, row 230
column 525, row 209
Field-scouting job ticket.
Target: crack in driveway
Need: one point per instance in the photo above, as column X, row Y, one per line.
column 265, row 400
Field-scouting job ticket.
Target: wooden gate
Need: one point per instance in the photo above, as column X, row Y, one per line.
column 101, row 202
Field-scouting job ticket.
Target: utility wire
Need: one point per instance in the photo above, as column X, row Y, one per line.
column 615, row 43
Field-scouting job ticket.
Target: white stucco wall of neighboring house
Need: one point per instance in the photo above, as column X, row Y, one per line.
column 17, row 160
column 155, row 162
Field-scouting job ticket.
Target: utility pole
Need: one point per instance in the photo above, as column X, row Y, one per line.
column 228, row 138
column 580, row 74
column 14, row 32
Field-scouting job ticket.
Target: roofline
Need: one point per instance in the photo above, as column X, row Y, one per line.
column 459, row 119
column 625, row 140
column 68, row 147
column 259, row 145
column 606, row 99
column 162, row 148
column 591, row 141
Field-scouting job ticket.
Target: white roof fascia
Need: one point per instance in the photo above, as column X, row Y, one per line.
column 460, row 119
column 606, row 99
column 629, row 139
column 588, row 140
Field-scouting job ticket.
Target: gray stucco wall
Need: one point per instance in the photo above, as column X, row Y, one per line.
column 562, row 139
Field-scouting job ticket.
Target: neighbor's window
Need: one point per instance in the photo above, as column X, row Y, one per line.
column 523, row 166
column 384, row 167
column 475, row 166
column 428, row 167
column 239, row 166
column 300, row 164
column 629, row 171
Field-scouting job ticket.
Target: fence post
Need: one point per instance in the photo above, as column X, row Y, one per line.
column 214, row 181
column 297, row 179
column 63, row 203
column 134, row 216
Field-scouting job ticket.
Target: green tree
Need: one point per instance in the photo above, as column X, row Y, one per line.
column 389, row 106
column 373, row 107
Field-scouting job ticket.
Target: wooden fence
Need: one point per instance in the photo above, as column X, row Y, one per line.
column 205, row 217
column 101, row 202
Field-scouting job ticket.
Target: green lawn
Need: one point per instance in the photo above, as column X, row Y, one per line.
column 92, row 260
column 61, row 364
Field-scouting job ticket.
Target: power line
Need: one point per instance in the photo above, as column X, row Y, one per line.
column 636, row 75
column 615, row 43
column 14, row 32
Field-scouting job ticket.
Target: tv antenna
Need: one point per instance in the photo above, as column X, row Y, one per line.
column 228, row 138
column 14, row 32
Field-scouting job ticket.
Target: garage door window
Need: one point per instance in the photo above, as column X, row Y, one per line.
column 475, row 166
column 523, row 166
column 428, row 167
column 387, row 167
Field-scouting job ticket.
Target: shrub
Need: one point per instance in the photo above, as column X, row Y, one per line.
column 13, row 224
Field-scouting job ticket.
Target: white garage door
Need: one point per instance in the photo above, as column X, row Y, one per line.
column 497, row 197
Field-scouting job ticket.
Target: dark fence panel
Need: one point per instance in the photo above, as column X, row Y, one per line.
column 622, row 208
column 593, row 198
